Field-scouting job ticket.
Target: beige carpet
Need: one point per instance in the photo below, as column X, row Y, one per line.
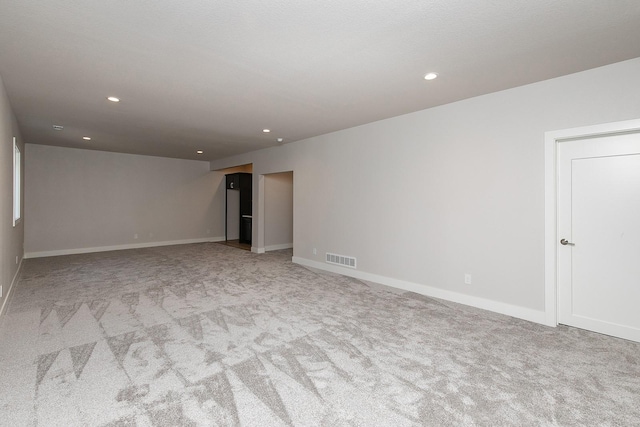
column 203, row 335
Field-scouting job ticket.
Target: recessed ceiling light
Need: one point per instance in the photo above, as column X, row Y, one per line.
column 266, row 130
column 280, row 140
column 199, row 152
column 430, row 76
column 86, row 138
column 58, row 127
column 113, row 99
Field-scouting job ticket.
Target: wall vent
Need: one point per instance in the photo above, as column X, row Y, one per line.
column 345, row 261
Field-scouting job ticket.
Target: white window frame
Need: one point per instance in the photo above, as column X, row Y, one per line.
column 17, row 183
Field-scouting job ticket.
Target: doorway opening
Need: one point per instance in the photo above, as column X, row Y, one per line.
column 278, row 211
column 237, row 204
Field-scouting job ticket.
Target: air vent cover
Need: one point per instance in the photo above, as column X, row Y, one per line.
column 345, row 261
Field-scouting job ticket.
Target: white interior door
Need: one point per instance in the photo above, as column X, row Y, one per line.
column 599, row 217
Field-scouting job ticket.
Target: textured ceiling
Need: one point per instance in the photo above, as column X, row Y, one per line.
column 210, row 75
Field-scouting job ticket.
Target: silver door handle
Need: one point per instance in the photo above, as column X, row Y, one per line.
column 565, row 242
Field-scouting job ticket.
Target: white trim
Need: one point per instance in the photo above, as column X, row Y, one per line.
column 17, row 183
column 495, row 306
column 120, row 247
column 257, row 250
column 258, row 223
column 278, row 247
column 550, row 230
column 7, row 295
column 551, row 140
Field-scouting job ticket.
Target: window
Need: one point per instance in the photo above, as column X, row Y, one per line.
column 17, row 173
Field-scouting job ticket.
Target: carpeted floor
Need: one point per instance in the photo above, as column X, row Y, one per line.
column 202, row 335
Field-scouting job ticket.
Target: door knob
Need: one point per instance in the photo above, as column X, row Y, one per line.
column 565, row 242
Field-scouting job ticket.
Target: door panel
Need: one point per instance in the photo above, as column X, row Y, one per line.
column 599, row 212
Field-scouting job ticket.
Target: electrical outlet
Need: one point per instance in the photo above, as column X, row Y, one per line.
column 467, row 279
column 16, row 259
column 1, row 291
column 150, row 234
column 135, row 236
column 315, row 251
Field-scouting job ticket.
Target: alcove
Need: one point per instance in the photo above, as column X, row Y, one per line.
column 238, row 207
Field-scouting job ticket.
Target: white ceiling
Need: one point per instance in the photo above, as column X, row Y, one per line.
column 210, row 75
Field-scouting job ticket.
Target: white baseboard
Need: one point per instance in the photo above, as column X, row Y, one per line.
column 257, row 250
column 486, row 304
column 278, row 247
column 7, row 294
column 120, row 247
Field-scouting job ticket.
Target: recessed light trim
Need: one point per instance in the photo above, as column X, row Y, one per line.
column 86, row 138
column 266, row 130
column 199, row 152
column 431, row 76
column 58, row 127
column 280, row 140
column 113, row 98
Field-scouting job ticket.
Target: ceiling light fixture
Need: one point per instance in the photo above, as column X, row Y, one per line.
column 266, row 130
column 280, row 140
column 86, row 138
column 57, row 127
column 431, row 76
column 199, row 152
column 113, row 99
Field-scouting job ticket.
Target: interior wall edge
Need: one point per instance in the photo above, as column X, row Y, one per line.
column 75, row 251
column 7, row 295
column 278, row 247
column 11, row 234
column 523, row 313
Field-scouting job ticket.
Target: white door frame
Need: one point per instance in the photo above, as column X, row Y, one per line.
column 259, row 209
column 551, row 141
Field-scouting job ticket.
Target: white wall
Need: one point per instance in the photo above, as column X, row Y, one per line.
column 84, row 200
column 423, row 198
column 11, row 238
column 278, row 211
